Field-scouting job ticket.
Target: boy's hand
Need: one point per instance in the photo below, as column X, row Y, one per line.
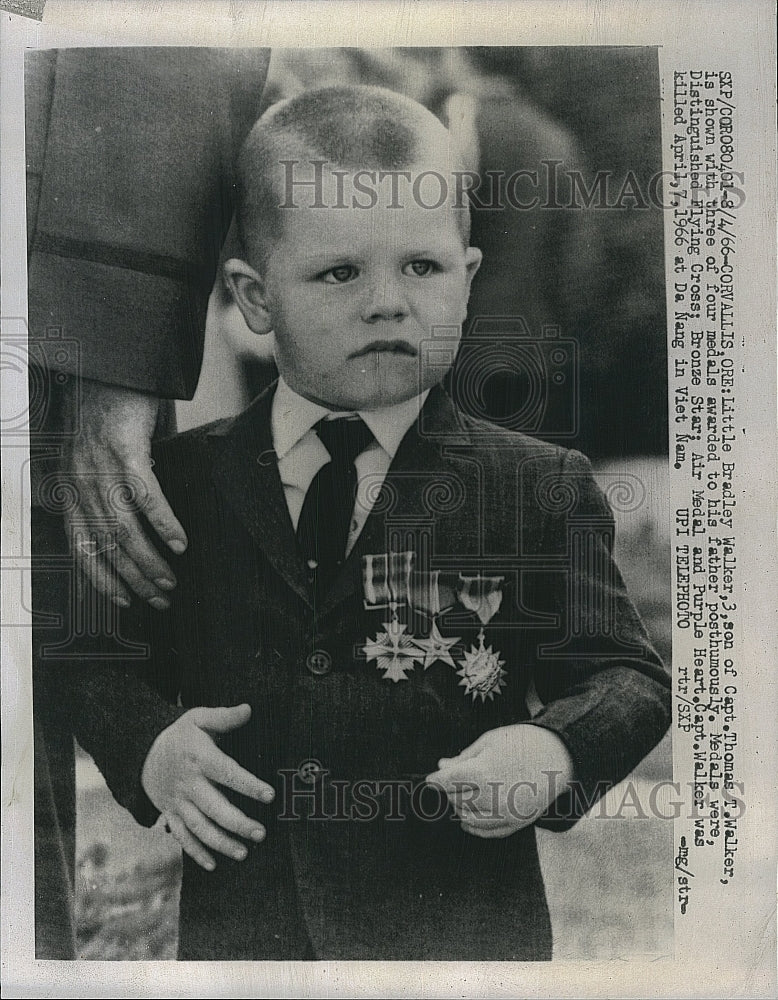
column 109, row 461
column 182, row 774
column 506, row 779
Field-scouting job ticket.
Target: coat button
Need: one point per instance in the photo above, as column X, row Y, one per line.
column 310, row 771
column 319, row 662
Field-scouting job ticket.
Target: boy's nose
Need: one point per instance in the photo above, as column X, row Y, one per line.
column 385, row 301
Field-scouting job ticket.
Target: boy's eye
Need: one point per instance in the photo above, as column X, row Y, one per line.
column 340, row 274
column 420, row 268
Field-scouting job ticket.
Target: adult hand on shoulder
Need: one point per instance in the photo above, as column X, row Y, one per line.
column 109, row 460
column 182, row 774
column 506, row 779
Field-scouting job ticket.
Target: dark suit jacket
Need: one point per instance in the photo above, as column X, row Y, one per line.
column 129, row 195
column 245, row 627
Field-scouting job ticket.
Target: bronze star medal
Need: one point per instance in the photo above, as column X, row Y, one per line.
column 436, row 647
column 394, row 651
column 425, row 597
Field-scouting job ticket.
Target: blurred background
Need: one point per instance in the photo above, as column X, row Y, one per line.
column 570, row 301
column 583, row 124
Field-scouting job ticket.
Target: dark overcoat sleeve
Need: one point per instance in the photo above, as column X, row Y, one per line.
column 129, row 196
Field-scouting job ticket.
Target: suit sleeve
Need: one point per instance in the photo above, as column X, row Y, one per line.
column 129, row 174
column 605, row 692
column 101, row 675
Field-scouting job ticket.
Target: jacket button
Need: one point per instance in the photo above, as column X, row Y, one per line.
column 319, row 662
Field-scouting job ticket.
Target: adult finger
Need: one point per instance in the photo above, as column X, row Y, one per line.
column 210, row 834
column 133, row 540
column 217, row 808
column 190, row 844
column 132, row 576
column 90, row 555
column 98, row 546
column 160, row 516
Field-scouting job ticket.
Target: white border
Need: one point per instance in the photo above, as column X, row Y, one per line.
column 727, row 953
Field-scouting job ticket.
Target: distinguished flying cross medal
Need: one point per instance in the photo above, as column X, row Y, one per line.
column 386, row 579
column 480, row 669
column 394, row 651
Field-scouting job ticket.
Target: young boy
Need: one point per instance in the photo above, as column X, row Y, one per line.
column 333, row 722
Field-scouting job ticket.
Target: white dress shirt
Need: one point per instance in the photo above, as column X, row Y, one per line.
column 300, row 452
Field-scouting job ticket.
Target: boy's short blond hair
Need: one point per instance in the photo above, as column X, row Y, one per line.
column 349, row 127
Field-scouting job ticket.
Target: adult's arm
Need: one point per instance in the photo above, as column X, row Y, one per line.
column 129, row 196
column 129, row 163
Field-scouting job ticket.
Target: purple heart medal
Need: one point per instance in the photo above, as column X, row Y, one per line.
column 480, row 669
column 385, row 580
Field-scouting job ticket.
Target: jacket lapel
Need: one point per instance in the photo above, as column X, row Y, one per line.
column 421, row 456
column 246, row 471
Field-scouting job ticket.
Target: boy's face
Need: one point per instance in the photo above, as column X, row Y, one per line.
column 351, row 293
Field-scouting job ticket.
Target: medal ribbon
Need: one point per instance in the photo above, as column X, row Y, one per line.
column 425, row 592
column 482, row 595
column 386, row 579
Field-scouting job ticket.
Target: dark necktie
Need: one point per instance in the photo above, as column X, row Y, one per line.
column 323, row 527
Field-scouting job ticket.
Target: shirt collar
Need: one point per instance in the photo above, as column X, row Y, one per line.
column 292, row 416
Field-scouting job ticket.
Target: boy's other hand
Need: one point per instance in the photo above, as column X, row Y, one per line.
column 108, row 461
column 506, row 779
column 182, row 774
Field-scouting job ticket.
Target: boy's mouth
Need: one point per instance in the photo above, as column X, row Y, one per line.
column 387, row 347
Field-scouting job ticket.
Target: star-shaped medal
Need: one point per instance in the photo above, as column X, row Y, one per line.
column 436, row 647
column 481, row 671
column 395, row 652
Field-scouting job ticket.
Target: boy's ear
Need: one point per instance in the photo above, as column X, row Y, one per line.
column 248, row 290
column 473, row 258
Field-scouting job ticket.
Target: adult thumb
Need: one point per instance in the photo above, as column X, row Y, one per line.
column 160, row 515
column 222, row 720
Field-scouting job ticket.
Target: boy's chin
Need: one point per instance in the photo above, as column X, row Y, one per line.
column 373, row 395
column 372, row 401
column 379, row 397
